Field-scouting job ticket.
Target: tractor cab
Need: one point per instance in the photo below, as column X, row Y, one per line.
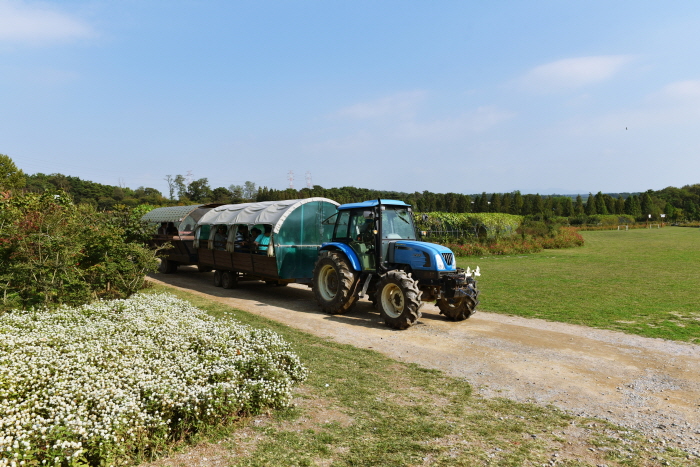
column 369, row 229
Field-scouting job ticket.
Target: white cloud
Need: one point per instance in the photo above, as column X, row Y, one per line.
column 400, row 114
column 400, row 121
column 401, row 105
column 475, row 121
column 574, row 72
column 38, row 23
column 683, row 90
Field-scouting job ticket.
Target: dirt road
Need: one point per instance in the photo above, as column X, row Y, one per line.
column 648, row 384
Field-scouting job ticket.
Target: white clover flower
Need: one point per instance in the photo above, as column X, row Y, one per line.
column 90, row 378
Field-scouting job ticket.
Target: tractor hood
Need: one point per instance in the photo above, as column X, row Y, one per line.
column 422, row 256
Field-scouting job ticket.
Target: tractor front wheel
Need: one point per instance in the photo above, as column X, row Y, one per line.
column 456, row 309
column 398, row 300
column 333, row 283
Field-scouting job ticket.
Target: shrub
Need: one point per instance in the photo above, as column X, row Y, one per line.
column 445, row 227
column 106, row 382
column 53, row 251
column 563, row 237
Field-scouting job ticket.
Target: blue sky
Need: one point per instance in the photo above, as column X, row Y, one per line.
column 446, row 96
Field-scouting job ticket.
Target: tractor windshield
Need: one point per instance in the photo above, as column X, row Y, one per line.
column 397, row 223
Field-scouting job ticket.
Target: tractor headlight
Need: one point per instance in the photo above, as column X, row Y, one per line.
column 439, row 263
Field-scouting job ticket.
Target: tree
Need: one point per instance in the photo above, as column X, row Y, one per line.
column 199, row 190
column 506, row 202
column 567, row 207
column 11, row 178
column 180, row 186
column 690, row 209
column 620, row 205
column 600, row 206
column 220, row 195
column 495, row 203
column 237, row 194
column 171, row 186
column 483, row 203
column 647, row 205
column 537, row 204
column 249, row 190
column 590, row 205
column 517, row 203
column 610, row 204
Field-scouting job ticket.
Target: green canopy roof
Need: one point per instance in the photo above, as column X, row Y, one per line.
column 265, row 212
column 173, row 214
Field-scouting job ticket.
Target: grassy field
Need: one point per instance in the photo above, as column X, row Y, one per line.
column 643, row 282
column 360, row 408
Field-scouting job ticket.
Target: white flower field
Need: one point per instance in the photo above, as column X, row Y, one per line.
column 93, row 385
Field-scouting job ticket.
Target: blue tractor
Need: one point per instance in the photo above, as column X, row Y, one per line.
column 375, row 251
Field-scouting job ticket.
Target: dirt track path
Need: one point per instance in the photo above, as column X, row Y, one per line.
column 648, row 384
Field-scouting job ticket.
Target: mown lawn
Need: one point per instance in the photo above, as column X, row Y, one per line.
column 643, row 282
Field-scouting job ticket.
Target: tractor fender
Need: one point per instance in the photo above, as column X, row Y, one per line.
column 349, row 252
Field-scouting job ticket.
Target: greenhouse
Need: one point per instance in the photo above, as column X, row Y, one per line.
column 285, row 249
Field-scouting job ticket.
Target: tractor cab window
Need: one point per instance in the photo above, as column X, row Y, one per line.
column 362, row 226
column 341, row 227
column 397, row 224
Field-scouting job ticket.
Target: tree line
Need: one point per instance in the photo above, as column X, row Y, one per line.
column 676, row 204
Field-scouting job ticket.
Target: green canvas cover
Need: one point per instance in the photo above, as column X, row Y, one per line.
column 184, row 217
column 297, row 229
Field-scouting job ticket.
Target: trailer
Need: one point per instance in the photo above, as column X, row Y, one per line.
column 224, row 240
column 174, row 225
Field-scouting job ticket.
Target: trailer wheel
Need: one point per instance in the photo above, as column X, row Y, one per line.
column 456, row 309
column 167, row 266
column 217, row 278
column 229, row 280
column 398, row 300
column 333, row 283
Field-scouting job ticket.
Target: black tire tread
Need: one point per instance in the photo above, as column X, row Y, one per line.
column 412, row 298
column 464, row 310
column 344, row 298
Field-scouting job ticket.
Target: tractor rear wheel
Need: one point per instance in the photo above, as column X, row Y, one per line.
column 217, row 278
column 333, row 283
column 398, row 300
column 456, row 309
column 229, row 280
